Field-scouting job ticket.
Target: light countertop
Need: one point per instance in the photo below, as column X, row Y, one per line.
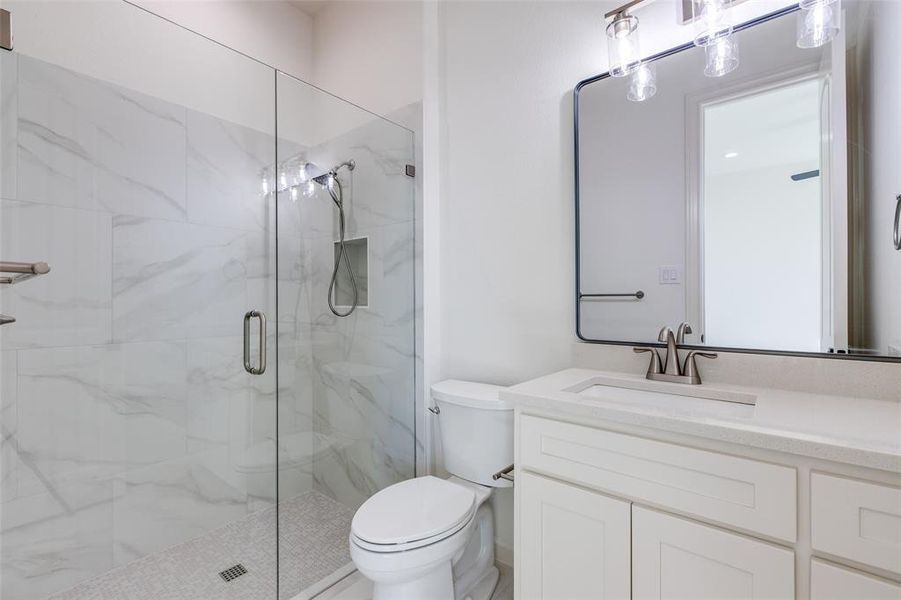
column 858, row 431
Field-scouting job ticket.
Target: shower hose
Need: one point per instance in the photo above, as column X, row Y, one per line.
column 337, row 193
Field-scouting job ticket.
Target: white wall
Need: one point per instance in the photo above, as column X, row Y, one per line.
column 274, row 32
column 370, row 52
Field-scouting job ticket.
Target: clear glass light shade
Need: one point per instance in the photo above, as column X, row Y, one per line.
column 818, row 22
column 643, row 83
column 623, row 49
column 711, row 19
column 721, row 57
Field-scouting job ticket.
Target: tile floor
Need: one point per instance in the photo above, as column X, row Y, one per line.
column 314, row 533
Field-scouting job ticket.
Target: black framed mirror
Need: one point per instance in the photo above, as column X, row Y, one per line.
column 756, row 206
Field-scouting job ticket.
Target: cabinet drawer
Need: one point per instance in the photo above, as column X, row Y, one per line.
column 830, row 582
column 747, row 494
column 856, row 520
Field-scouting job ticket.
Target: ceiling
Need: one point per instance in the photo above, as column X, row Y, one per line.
column 310, row 7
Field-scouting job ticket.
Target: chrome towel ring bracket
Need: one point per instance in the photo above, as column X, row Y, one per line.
column 897, row 232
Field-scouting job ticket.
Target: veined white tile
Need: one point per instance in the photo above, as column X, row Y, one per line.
column 53, row 541
column 86, row 143
column 88, row 412
column 169, row 503
column 8, row 424
column 217, row 384
column 225, row 167
column 57, row 135
column 140, row 153
column 177, row 280
column 9, row 116
column 70, row 304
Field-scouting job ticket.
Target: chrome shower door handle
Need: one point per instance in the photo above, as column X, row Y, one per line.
column 896, row 237
column 259, row 370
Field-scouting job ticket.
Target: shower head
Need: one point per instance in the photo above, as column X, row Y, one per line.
column 320, row 176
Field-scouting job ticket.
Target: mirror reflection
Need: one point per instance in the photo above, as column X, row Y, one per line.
column 758, row 205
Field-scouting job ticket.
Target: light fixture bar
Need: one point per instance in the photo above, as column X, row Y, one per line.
column 625, row 7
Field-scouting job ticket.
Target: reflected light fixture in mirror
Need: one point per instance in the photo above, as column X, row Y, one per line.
column 818, row 22
column 622, row 45
column 713, row 32
column 643, row 84
column 711, row 21
column 721, row 57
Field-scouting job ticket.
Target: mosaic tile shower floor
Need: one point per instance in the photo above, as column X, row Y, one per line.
column 314, row 532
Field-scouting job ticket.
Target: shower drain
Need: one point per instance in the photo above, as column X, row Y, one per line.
column 233, row 573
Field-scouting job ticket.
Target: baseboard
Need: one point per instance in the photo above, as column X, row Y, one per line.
column 503, row 555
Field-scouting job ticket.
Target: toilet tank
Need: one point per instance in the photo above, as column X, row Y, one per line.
column 476, row 430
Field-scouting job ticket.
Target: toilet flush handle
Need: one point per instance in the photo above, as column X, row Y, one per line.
column 435, row 410
column 504, row 474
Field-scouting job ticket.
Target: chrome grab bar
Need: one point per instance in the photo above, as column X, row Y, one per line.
column 247, row 365
column 22, row 271
column 504, row 474
column 639, row 295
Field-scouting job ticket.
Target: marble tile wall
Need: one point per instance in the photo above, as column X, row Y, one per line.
column 127, row 422
column 362, row 366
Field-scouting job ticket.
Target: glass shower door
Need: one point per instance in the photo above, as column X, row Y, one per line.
column 138, row 440
column 346, row 323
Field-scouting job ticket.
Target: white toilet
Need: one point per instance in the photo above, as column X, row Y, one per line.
column 433, row 539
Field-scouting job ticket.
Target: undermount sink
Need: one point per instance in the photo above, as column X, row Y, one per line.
column 595, row 386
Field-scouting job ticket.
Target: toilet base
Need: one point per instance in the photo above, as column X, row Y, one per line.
column 437, row 584
column 484, row 587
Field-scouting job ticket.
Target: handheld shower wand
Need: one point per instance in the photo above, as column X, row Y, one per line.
column 329, row 180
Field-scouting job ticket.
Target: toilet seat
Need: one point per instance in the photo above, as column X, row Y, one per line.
column 413, row 514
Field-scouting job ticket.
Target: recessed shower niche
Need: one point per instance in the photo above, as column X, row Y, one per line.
column 357, row 256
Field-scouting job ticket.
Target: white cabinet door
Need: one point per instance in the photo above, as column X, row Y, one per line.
column 830, row 582
column 674, row 558
column 574, row 543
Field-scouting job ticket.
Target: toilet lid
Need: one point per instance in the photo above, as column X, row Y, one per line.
column 415, row 509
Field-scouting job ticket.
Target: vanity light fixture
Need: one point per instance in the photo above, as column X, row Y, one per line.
column 623, row 50
column 711, row 21
column 818, row 22
column 713, row 32
column 721, row 56
column 643, row 83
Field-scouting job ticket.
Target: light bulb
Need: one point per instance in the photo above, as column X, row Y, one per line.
column 283, row 181
column 818, row 22
column 309, row 189
column 643, row 84
column 623, row 49
column 721, row 57
column 294, row 194
column 265, row 185
column 302, row 174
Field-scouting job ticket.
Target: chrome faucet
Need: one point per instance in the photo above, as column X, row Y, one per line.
column 671, row 370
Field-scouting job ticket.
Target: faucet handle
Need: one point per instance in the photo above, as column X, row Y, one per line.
column 690, row 368
column 680, row 333
column 654, row 367
column 664, row 334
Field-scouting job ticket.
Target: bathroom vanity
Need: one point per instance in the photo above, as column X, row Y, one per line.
column 626, row 489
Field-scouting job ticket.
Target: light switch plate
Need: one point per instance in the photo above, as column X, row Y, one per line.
column 669, row 275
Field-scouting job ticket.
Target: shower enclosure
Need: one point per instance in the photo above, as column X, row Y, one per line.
column 182, row 414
